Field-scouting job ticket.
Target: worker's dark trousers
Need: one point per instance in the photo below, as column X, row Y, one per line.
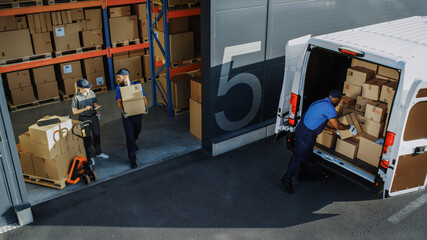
column 95, row 134
column 132, row 126
column 304, row 143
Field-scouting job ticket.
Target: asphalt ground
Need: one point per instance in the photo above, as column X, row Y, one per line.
column 232, row 196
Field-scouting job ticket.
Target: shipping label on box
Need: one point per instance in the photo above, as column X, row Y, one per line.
column 71, row 69
column 97, row 79
column 371, row 127
column 358, row 75
column 67, row 37
column 347, row 147
column 369, row 150
column 372, row 88
column 327, row 139
column 351, row 90
column 376, row 112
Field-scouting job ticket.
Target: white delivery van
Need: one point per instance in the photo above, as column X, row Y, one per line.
column 390, row 154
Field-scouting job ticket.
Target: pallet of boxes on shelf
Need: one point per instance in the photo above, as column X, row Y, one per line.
column 180, row 88
column 123, row 26
column 369, row 90
column 7, row 4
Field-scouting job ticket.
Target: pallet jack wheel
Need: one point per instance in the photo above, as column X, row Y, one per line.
column 86, row 179
column 94, row 175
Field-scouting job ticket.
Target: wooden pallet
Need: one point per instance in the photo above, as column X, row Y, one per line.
column 52, row 2
column 186, row 62
column 26, row 59
column 21, row 4
column 180, row 6
column 126, row 43
column 45, row 181
column 37, row 103
column 176, row 111
column 77, row 51
column 66, row 97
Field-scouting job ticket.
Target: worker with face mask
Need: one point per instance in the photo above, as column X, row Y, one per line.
column 84, row 104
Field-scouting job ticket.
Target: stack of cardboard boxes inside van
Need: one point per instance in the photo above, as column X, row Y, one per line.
column 48, row 151
column 369, row 91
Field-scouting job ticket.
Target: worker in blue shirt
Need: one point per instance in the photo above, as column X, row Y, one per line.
column 312, row 123
column 131, row 124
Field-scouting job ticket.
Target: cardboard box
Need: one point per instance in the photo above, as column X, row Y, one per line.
column 67, row 142
column 370, row 127
column 133, row 99
column 25, row 142
column 347, row 147
column 26, row 160
column 45, row 151
column 327, row 139
column 364, row 64
column 94, row 65
column 66, row 37
column 55, row 169
column 143, row 30
column 180, row 86
column 82, row 25
column 347, row 120
column 40, row 22
column 18, row 79
column 93, row 19
column 124, row 29
column 92, row 38
column 196, row 89
column 44, row 74
column 71, row 69
column 376, row 112
column 21, row 22
column 346, row 102
column 141, row 11
column 68, row 84
column 54, row 17
column 388, row 72
column 176, row 25
column 22, row 95
column 369, row 150
column 8, row 23
column 181, row 46
column 372, row 88
column 51, row 134
column 64, row 17
column 388, row 91
column 358, row 114
column 131, row 64
column 15, row 44
column 120, row 56
column 358, row 75
column 119, row 11
column 97, row 79
column 351, row 90
column 361, row 103
column 47, row 90
column 77, row 14
column 42, row 43
column 196, row 118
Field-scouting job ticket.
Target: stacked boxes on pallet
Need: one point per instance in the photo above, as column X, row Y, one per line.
column 369, row 90
column 94, row 71
column 15, row 40
column 40, row 25
column 180, row 86
column 71, row 72
column 45, row 81
column 48, row 151
column 91, row 27
column 20, row 87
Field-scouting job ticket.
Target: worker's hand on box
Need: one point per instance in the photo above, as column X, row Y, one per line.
column 353, row 130
column 124, row 114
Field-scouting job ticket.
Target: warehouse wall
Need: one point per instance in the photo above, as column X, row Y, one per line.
column 243, row 56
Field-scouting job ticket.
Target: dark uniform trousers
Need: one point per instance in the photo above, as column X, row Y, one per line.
column 132, row 126
column 95, row 134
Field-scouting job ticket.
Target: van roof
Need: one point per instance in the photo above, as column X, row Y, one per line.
column 404, row 39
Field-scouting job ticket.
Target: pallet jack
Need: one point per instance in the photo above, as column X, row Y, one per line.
column 82, row 168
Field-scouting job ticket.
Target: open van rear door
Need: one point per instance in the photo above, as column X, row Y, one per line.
column 409, row 169
column 295, row 51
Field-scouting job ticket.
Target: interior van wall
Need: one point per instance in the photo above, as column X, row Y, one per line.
column 243, row 71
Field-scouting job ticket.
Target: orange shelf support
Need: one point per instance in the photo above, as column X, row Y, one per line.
column 129, row 48
column 50, row 61
column 122, row 2
column 49, row 8
column 183, row 13
column 183, row 69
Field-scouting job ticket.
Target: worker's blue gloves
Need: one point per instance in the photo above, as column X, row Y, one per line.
column 353, row 130
column 146, row 110
column 124, row 114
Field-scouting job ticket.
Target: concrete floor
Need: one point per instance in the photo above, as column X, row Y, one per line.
column 161, row 138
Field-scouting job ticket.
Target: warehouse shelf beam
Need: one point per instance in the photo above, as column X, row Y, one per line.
column 123, row 2
column 185, row 68
column 179, row 13
column 49, row 8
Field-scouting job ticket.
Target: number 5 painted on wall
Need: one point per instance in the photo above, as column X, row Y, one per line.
column 247, row 78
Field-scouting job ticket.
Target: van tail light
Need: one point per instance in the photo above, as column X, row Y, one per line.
column 294, row 108
column 389, row 141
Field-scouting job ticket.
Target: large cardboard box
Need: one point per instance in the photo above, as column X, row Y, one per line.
column 50, row 134
column 124, row 29
column 131, row 64
column 180, row 86
column 92, row 38
column 94, row 65
column 26, row 160
column 388, row 72
column 196, row 89
column 372, row 88
column 93, row 19
column 55, row 169
column 15, row 44
column 196, row 118
column 327, row 139
column 143, row 30
column 71, row 69
column 141, row 11
column 361, row 103
column 351, row 90
column 77, row 14
column 97, row 79
column 176, row 25
column 121, row 11
column 376, row 111
column 388, row 91
column 25, row 142
column 44, row 74
column 40, row 23
column 133, row 99
column 66, row 37
column 364, row 64
column 18, row 79
column 22, row 95
column 82, row 24
column 42, row 43
column 369, row 150
column 181, row 46
column 347, row 147
column 68, row 85
column 349, row 119
column 346, row 102
column 358, row 114
column 371, row 127
column 8, row 23
column 358, row 75
column 47, row 90
column 46, row 152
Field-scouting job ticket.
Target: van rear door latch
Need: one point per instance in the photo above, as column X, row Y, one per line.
column 419, row 150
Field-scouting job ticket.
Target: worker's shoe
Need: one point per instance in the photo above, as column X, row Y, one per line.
column 133, row 164
column 287, row 186
column 102, row 155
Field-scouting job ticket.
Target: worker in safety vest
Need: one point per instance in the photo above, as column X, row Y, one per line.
column 312, row 123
